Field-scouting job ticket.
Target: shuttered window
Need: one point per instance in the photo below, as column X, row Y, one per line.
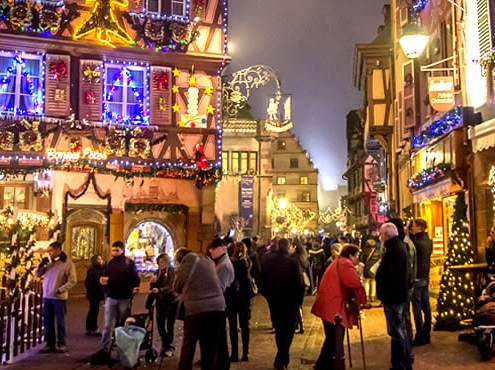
column 21, row 90
column 486, row 25
column 124, row 94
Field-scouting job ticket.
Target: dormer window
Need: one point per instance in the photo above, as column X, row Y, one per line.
column 175, row 8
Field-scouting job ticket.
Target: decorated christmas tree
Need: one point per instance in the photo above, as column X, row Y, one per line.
column 455, row 300
column 18, row 259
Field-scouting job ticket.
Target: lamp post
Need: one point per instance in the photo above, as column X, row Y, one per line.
column 414, row 37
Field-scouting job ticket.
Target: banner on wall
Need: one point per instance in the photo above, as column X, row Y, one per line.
column 441, row 93
column 246, row 196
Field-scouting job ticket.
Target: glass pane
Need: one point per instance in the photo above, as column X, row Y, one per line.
column 20, row 197
column 153, row 6
column 244, row 162
column 178, row 7
column 8, row 196
column 225, row 161
column 82, row 245
column 253, row 161
column 235, row 162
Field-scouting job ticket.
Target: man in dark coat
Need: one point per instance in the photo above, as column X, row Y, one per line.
column 421, row 294
column 392, row 290
column 281, row 283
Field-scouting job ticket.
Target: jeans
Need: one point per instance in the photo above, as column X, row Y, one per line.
column 409, row 330
column 54, row 310
column 115, row 314
column 283, row 319
column 243, row 312
column 421, row 306
column 207, row 328
column 165, row 322
column 396, row 329
column 92, row 317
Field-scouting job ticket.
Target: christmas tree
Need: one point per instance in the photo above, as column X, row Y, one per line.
column 455, row 300
column 17, row 239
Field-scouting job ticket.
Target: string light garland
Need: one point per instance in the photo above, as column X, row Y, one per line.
column 428, row 176
column 420, row 4
column 450, row 121
column 456, row 297
column 17, row 239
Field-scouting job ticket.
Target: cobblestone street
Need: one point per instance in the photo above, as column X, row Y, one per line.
column 445, row 351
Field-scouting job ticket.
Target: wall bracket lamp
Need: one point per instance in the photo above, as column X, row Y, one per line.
column 414, row 37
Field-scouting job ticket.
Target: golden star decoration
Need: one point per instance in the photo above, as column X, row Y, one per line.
column 210, row 109
column 208, row 90
column 175, row 107
column 176, row 72
column 175, row 89
column 192, row 81
column 181, row 123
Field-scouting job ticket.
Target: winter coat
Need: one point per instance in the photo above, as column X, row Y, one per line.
column 94, row 290
column 122, row 277
column 370, row 255
column 391, row 277
column 317, row 259
column 280, row 280
column 200, row 290
column 165, row 285
column 58, row 277
column 339, row 276
column 424, row 248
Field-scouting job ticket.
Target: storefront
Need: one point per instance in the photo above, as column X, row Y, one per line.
column 439, row 174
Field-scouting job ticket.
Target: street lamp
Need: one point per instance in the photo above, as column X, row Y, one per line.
column 414, row 37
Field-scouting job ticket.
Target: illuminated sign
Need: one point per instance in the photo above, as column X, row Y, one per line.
column 86, row 154
column 441, row 93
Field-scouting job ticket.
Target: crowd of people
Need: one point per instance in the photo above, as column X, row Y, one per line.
column 388, row 268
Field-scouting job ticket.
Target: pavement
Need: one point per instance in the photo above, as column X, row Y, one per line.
column 444, row 352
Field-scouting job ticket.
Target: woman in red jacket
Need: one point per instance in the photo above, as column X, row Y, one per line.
column 339, row 278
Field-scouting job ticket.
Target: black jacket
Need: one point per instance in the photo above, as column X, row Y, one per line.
column 165, row 286
column 280, row 280
column 424, row 248
column 94, row 290
column 391, row 277
column 122, row 277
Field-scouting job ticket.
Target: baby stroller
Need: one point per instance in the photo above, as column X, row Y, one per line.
column 484, row 322
column 136, row 335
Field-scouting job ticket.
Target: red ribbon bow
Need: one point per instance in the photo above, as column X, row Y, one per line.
column 58, row 69
column 161, row 81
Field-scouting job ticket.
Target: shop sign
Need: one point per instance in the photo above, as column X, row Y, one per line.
column 85, row 154
column 441, row 93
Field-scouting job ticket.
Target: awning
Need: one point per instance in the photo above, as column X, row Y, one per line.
column 441, row 188
column 482, row 136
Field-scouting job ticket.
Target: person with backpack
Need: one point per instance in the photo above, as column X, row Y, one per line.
column 317, row 262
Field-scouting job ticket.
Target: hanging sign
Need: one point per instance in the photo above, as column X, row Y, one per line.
column 246, row 201
column 441, row 93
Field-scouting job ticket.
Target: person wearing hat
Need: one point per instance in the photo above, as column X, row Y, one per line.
column 225, row 272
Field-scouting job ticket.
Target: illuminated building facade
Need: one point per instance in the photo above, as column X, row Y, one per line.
column 110, row 117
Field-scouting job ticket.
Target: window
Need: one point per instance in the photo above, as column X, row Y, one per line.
column 244, row 162
column 167, row 7
column 14, row 196
column 82, row 243
column 21, row 91
column 281, row 180
column 303, row 180
column 294, row 163
column 281, row 144
column 124, row 99
column 225, row 162
column 178, row 7
column 306, row 196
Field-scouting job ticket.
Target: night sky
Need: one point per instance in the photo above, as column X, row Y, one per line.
column 310, row 44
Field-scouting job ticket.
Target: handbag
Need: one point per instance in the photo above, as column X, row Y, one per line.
column 181, row 309
column 351, row 304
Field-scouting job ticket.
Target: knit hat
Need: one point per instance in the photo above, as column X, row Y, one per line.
column 217, row 242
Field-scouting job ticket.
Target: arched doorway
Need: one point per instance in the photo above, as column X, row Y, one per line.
column 145, row 241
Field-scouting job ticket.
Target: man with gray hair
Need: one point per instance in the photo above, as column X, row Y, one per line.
column 392, row 290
